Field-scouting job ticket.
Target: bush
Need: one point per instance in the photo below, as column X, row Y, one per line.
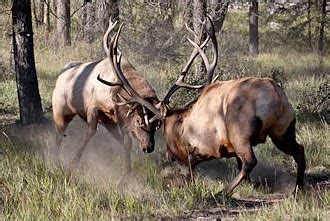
column 279, row 76
column 314, row 100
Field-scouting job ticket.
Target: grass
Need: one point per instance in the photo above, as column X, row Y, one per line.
column 32, row 187
column 309, row 206
column 38, row 190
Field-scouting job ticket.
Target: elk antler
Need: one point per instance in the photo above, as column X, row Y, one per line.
column 114, row 56
column 197, row 50
column 106, row 36
column 209, row 67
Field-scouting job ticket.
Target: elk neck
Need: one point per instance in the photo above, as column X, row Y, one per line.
column 173, row 129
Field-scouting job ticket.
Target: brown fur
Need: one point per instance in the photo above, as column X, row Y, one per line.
column 78, row 92
column 230, row 117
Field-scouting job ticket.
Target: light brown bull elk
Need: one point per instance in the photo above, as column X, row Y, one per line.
column 228, row 118
column 78, row 92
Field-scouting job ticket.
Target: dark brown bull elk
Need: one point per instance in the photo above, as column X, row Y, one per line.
column 78, row 92
column 227, row 119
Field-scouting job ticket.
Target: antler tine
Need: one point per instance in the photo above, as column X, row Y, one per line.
column 201, row 53
column 114, row 56
column 112, row 51
column 180, row 82
column 112, row 25
column 106, row 35
column 210, row 70
column 115, row 62
column 195, row 51
column 191, row 31
column 209, row 67
column 107, row 48
column 107, row 82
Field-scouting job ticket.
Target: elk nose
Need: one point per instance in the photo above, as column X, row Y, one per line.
column 148, row 149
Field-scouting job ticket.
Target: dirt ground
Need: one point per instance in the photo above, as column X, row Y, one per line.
column 98, row 156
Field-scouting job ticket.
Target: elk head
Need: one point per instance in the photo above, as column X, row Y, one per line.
column 141, row 117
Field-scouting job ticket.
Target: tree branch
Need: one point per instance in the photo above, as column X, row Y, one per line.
column 50, row 9
column 74, row 12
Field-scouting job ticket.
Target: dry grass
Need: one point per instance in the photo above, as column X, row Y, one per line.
column 33, row 187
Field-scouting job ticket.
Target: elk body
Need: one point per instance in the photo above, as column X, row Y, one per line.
column 227, row 119
column 78, row 92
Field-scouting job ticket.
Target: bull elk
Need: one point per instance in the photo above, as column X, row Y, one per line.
column 227, row 119
column 78, row 92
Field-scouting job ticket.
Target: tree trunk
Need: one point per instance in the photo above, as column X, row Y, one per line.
column 169, row 22
column 254, row 39
column 322, row 24
column 108, row 8
column 26, row 76
column 114, row 10
column 89, row 23
column 200, row 7
column 35, row 14
column 309, row 24
column 83, row 21
column 189, row 14
column 41, row 12
column 46, row 19
column 221, row 9
column 63, row 22
column 54, row 3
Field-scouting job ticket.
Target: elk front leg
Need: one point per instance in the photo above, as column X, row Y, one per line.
column 124, row 140
column 92, row 118
column 249, row 161
column 61, row 122
column 127, row 149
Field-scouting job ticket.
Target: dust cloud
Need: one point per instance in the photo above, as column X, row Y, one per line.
column 103, row 161
column 275, row 178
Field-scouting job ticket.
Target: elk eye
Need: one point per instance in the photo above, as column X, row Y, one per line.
column 139, row 122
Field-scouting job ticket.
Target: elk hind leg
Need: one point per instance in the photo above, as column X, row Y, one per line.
column 239, row 167
column 287, row 144
column 248, row 162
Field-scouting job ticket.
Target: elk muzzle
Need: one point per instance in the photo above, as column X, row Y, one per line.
column 148, row 147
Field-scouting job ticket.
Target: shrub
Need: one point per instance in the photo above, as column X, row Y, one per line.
column 314, row 100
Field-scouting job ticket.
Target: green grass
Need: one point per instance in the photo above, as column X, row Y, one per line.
column 308, row 206
column 39, row 190
column 32, row 187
